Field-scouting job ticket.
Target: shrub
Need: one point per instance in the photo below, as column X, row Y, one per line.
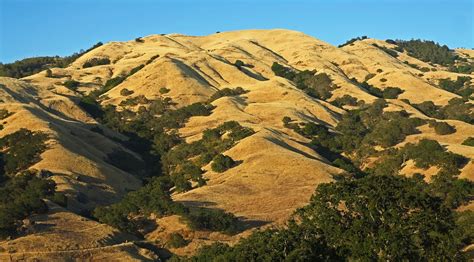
column 345, row 100
column 49, row 73
column 442, row 128
column 469, row 141
column 383, row 80
column 391, row 92
column 20, row 197
column 71, row 84
column 22, row 149
column 379, row 70
column 212, row 219
column 164, row 90
column 221, row 163
column 4, row 114
column 96, row 61
column 125, row 92
column 227, row 92
column 176, row 240
column 428, row 51
column 239, row 63
column 352, row 40
column 33, row 65
column 389, row 51
column 139, row 40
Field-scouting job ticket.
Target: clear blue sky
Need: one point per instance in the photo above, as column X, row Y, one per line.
column 61, row 27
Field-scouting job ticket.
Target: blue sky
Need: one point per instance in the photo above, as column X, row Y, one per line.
column 61, row 27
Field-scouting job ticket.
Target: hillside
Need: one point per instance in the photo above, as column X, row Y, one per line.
column 120, row 107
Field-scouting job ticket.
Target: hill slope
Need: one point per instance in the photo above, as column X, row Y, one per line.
column 278, row 168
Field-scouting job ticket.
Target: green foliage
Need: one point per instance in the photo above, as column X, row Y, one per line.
column 221, row 163
column 20, row 197
column 227, row 92
column 345, row 100
column 469, row 141
column 21, row 150
column 125, row 161
column 152, row 198
column 316, row 85
column 176, row 240
column 212, row 219
column 457, row 108
column 428, row 51
column 389, row 51
column 352, row 40
column 49, row 73
column 430, row 153
column 458, row 87
column 33, row 65
column 71, row 84
column 442, row 128
column 390, row 218
column 164, row 90
column 125, row 92
column 383, row 218
column 96, row 61
column 391, row 92
column 4, row 113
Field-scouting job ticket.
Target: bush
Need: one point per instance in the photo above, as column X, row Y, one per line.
column 125, row 92
column 469, row 141
column 212, row 219
column 139, row 40
column 96, row 61
column 391, row 92
column 33, row 65
column 221, row 163
column 22, row 149
column 227, row 92
column 352, row 40
column 428, row 51
column 164, row 90
column 71, row 84
column 49, row 73
column 20, row 197
column 4, row 114
column 345, row 100
column 176, row 240
column 442, row 128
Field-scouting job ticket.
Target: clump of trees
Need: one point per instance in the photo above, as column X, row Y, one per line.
column 377, row 217
column 387, row 50
column 221, row 163
column 71, row 84
column 21, row 150
column 469, row 141
column 346, row 100
column 20, row 197
column 176, row 240
column 316, row 85
column 96, row 61
column 428, row 51
column 442, row 128
column 457, row 109
column 125, row 92
column 128, row 214
column 459, row 86
column 352, row 40
column 227, row 92
column 33, row 65
column 391, row 92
